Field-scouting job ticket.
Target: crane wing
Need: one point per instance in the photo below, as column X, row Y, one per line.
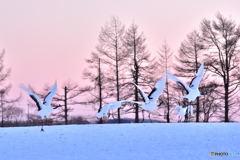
column 103, row 112
column 175, row 79
column 48, row 98
column 196, row 80
column 34, row 97
column 157, row 90
column 144, row 96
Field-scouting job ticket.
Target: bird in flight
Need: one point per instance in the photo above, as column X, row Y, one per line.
column 44, row 107
column 113, row 106
column 149, row 102
column 191, row 90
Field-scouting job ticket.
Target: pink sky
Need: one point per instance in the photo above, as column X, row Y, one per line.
column 49, row 40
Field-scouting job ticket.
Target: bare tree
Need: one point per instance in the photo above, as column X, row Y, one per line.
column 68, row 98
column 189, row 59
column 210, row 101
column 110, row 48
column 222, row 38
column 141, row 65
column 165, row 57
column 5, row 101
column 97, row 80
column 13, row 113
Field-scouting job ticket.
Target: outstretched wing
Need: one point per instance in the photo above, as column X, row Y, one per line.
column 175, row 79
column 117, row 104
column 157, row 90
column 35, row 97
column 130, row 101
column 144, row 96
column 113, row 106
column 196, row 80
column 48, row 98
column 103, row 112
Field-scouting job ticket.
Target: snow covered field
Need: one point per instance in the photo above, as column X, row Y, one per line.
column 156, row 141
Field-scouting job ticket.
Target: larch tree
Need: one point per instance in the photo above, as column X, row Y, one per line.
column 189, row 60
column 95, row 90
column 67, row 99
column 210, row 100
column 13, row 113
column 5, row 101
column 165, row 57
column 221, row 36
column 140, row 63
column 111, row 51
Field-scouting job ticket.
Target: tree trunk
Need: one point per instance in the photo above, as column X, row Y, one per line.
column 197, row 110
column 136, row 76
column 2, row 123
column 168, row 104
column 100, row 88
column 65, row 106
column 117, row 80
column 137, row 106
column 196, row 67
column 226, row 104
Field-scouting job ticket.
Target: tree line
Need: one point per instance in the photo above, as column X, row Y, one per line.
column 122, row 57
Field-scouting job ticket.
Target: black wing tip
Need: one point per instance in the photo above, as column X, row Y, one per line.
column 183, row 86
column 57, row 106
column 44, row 100
column 36, row 101
column 153, row 90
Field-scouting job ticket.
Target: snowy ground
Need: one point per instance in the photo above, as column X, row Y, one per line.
column 176, row 141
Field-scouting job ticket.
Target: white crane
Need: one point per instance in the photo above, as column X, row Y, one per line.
column 44, row 107
column 149, row 102
column 113, row 106
column 192, row 90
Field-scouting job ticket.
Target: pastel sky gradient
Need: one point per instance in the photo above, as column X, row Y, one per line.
column 49, row 40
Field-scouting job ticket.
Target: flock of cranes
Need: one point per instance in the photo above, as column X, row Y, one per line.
column 149, row 102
